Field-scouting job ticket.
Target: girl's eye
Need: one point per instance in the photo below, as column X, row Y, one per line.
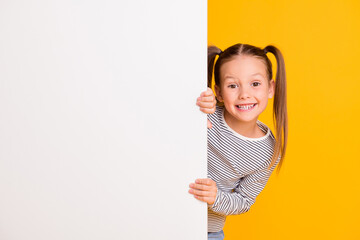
column 232, row 86
column 255, row 84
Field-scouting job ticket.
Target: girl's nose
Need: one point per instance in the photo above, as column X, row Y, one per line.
column 244, row 93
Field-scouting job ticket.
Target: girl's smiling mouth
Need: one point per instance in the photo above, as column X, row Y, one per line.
column 246, row 107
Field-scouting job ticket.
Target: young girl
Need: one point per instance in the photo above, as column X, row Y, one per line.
column 242, row 151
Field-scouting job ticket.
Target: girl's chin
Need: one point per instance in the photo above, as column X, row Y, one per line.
column 241, row 117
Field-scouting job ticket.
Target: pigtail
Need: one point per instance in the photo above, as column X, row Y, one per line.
column 279, row 108
column 212, row 52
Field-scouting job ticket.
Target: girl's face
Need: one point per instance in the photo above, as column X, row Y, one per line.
column 244, row 88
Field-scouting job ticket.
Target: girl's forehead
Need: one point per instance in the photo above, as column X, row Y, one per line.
column 244, row 67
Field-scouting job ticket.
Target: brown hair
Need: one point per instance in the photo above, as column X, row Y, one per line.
column 280, row 107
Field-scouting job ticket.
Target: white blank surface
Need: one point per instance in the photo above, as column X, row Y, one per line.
column 99, row 132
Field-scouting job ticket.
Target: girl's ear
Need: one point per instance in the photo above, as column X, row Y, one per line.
column 218, row 93
column 271, row 88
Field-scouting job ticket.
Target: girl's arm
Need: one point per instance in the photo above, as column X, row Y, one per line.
column 207, row 103
column 244, row 194
column 236, row 202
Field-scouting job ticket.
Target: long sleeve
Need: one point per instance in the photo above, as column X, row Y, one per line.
column 244, row 194
column 238, row 165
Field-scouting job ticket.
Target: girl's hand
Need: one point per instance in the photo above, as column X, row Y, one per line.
column 207, row 103
column 204, row 189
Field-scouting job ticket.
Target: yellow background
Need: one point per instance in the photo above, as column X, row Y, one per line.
column 316, row 195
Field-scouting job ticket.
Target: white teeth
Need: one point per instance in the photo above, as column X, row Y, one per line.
column 246, row 107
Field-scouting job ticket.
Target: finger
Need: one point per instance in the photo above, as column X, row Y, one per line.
column 202, row 193
column 199, row 187
column 209, row 200
column 206, row 99
column 205, row 181
column 208, row 92
column 209, row 125
column 200, row 198
column 207, row 110
column 206, row 104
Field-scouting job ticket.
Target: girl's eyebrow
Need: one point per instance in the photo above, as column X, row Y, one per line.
column 228, row 76
column 257, row 74
column 254, row 74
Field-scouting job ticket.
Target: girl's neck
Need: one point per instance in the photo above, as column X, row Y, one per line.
column 247, row 129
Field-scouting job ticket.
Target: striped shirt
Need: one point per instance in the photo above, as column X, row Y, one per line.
column 238, row 165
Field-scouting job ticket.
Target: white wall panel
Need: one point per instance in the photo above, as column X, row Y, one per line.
column 99, row 132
